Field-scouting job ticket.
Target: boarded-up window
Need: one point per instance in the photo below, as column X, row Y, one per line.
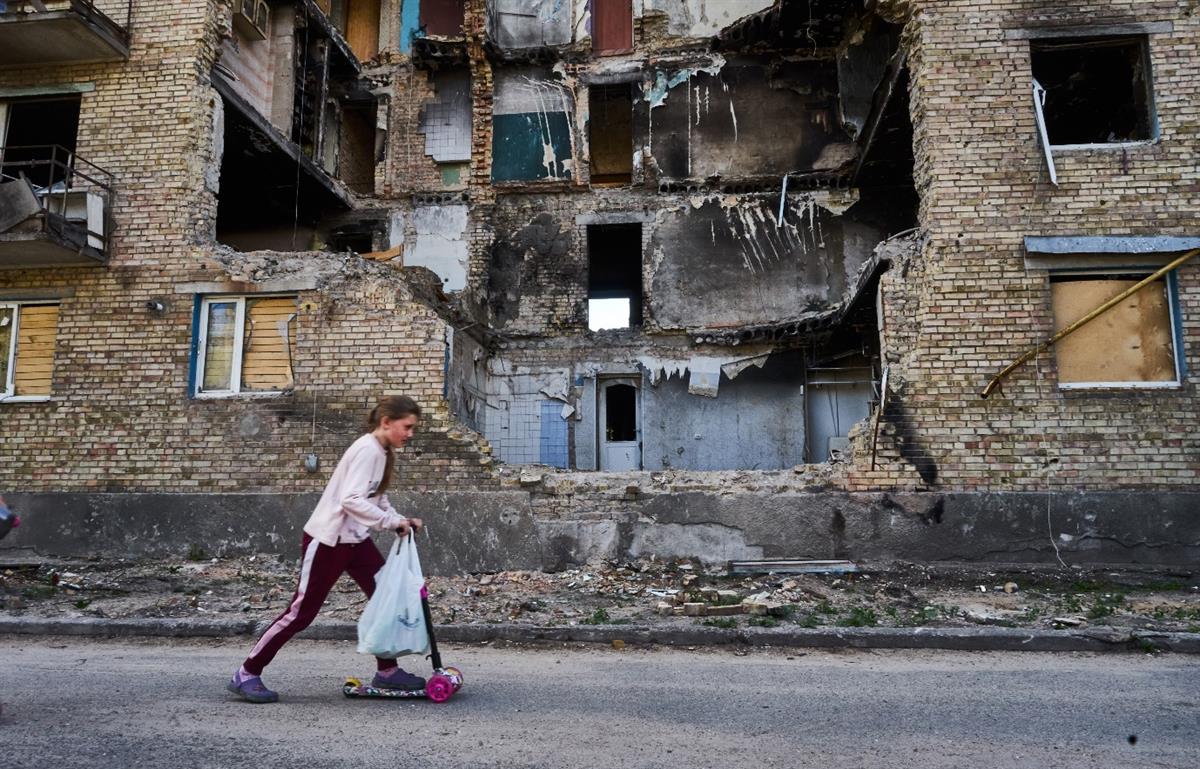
column 1132, row 342
column 362, row 28
column 612, row 26
column 246, row 344
column 442, row 17
column 610, row 133
column 27, row 335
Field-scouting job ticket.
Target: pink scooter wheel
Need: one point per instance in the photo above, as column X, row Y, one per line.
column 439, row 688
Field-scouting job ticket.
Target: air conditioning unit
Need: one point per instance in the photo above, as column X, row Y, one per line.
column 252, row 18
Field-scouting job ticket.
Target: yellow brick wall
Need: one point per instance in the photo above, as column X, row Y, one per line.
column 969, row 307
column 120, row 417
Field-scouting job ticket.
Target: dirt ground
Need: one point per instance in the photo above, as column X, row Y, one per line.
column 645, row 592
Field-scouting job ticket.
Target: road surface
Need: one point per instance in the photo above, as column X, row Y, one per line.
column 158, row 703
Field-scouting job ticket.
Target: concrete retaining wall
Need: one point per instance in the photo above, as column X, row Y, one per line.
column 491, row 531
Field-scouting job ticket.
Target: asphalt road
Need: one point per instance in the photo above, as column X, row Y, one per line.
column 145, row 704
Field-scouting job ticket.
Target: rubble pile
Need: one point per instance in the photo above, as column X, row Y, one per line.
column 643, row 592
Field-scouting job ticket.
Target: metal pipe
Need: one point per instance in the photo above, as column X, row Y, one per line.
column 995, row 381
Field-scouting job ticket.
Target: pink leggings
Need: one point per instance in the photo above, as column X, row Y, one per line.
column 319, row 571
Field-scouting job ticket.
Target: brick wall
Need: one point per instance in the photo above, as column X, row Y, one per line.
column 120, row 417
column 971, row 307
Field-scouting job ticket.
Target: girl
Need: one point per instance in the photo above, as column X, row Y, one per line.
column 337, row 541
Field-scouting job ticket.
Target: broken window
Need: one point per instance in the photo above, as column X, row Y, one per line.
column 245, row 345
column 37, row 138
column 612, row 26
column 27, row 335
column 610, row 133
column 1097, row 90
column 1131, row 344
column 614, row 276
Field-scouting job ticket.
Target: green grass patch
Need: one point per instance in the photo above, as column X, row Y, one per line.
column 859, row 617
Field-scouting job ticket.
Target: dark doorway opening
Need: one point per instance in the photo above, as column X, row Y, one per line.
column 614, row 276
column 610, row 133
column 1097, row 89
column 40, row 140
column 620, row 405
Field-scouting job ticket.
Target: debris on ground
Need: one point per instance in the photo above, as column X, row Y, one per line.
column 648, row 591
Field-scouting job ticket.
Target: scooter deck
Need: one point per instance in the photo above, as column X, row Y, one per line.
column 356, row 688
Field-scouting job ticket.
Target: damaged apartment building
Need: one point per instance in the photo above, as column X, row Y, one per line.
column 689, row 278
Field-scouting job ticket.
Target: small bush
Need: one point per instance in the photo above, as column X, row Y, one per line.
column 599, row 617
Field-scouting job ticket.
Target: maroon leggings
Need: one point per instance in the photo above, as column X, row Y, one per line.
column 320, row 569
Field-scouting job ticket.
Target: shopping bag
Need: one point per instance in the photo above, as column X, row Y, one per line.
column 393, row 623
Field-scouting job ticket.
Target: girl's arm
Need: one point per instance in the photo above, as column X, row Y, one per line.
column 356, row 500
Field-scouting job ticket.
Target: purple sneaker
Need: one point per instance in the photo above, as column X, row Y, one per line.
column 397, row 678
column 252, row 690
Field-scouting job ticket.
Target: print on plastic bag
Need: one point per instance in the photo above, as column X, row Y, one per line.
column 393, row 623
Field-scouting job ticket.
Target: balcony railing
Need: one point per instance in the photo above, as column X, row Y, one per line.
column 56, row 208
column 62, row 32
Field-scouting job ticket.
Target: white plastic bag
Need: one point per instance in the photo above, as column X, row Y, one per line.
column 393, row 624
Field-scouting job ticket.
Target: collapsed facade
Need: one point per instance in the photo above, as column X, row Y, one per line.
column 672, row 277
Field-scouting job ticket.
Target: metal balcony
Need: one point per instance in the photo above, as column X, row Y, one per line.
column 41, row 32
column 55, row 209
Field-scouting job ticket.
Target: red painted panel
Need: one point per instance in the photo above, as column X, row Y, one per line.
column 612, row 25
column 442, row 17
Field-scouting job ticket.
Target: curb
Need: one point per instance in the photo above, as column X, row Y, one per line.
column 954, row 639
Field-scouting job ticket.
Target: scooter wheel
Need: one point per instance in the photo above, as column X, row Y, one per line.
column 439, row 688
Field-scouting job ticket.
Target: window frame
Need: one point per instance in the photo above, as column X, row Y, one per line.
column 1174, row 317
column 8, row 386
column 201, row 340
column 1155, row 131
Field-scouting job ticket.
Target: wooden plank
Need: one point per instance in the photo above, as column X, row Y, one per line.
column 266, row 363
column 1130, row 342
column 362, row 28
column 36, row 333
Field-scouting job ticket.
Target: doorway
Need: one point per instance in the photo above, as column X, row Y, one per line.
column 619, row 424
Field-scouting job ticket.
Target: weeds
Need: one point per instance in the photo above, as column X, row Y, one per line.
column 726, row 623
column 859, row 617
column 1106, row 605
column 763, row 622
column 599, row 617
column 196, row 553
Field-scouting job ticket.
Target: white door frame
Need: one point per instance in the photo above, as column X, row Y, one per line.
column 602, row 385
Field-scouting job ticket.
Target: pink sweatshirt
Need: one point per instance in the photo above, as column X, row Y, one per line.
column 349, row 509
